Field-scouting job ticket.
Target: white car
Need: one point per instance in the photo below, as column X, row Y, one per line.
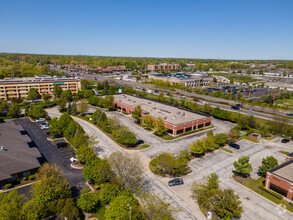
column 40, row 120
column 45, row 127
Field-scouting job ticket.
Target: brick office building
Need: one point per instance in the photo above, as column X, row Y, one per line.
column 280, row 179
column 176, row 120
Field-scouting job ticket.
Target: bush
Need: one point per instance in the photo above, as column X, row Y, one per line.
column 32, row 177
column 8, row 186
column 24, row 178
column 97, row 187
column 278, row 196
column 108, row 193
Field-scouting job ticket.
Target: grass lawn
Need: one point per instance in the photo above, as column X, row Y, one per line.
column 288, row 102
column 140, row 147
column 99, row 213
column 255, row 184
column 284, row 152
column 227, row 150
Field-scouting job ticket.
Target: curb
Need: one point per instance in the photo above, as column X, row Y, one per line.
column 28, row 184
column 259, row 194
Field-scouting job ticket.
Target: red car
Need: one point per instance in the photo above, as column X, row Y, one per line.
column 196, row 100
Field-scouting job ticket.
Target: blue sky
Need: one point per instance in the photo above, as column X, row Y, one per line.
column 234, row 29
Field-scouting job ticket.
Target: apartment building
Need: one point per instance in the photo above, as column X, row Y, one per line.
column 20, row 88
column 163, row 66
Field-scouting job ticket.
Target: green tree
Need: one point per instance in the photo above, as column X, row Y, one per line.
column 46, row 97
column 267, row 163
column 14, row 111
column 136, row 114
column 88, row 93
column 62, row 104
column 210, row 143
column 70, row 211
column 69, row 108
column 198, row 147
column 242, row 166
column 109, row 102
column 33, row 94
column 82, row 106
column 108, row 193
column 57, row 90
column 119, row 209
column 99, row 117
column 148, row 122
column 10, row 205
column 85, row 153
column 74, row 109
column 221, row 139
column 36, row 111
column 66, row 95
column 227, row 204
column 160, row 128
column 88, row 201
column 156, row 208
column 51, row 185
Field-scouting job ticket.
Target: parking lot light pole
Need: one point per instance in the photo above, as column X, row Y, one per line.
column 129, row 211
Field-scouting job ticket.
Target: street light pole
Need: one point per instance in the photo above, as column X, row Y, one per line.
column 129, row 211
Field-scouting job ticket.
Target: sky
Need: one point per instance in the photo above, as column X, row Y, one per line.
column 218, row 29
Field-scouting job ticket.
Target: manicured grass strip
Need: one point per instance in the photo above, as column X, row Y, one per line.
column 227, row 150
column 140, row 147
column 257, row 186
column 284, row 152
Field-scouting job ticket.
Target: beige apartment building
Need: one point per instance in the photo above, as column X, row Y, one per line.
column 163, row 66
column 20, row 89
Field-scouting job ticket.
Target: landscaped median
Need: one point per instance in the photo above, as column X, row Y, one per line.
column 257, row 185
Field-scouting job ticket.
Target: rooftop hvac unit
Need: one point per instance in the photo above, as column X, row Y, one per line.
column 129, row 99
column 134, row 101
column 178, row 113
column 174, row 117
column 120, row 100
column 182, row 114
column 2, row 148
column 164, row 117
column 149, row 102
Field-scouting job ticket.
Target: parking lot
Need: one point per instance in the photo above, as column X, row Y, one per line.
column 52, row 154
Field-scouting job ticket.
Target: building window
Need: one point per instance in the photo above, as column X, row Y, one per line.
column 278, row 189
column 123, row 109
column 180, row 131
column 187, row 129
column 208, row 124
column 170, row 131
column 26, row 173
column 200, row 126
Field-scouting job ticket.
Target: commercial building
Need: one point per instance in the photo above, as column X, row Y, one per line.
column 280, row 179
column 163, row 66
column 176, row 120
column 20, row 88
column 191, row 80
column 18, row 157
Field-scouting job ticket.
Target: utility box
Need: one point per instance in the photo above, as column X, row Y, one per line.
column 254, row 136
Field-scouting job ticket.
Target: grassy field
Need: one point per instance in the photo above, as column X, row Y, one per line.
column 288, row 102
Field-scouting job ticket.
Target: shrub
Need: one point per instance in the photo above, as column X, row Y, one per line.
column 24, row 178
column 97, row 187
column 108, row 193
column 271, row 193
column 8, row 186
column 32, row 177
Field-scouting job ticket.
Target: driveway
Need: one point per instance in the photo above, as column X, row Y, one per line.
column 52, row 154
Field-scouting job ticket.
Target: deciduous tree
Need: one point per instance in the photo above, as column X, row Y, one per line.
column 267, row 163
column 242, row 166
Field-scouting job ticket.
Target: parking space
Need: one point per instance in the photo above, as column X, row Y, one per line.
column 51, row 154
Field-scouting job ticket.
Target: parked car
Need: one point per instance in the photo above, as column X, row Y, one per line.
column 239, row 105
column 183, row 96
column 196, row 100
column 156, row 91
column 43, row 124
column 44, row 127
column 290, row 114
column 61, row 144
column 140, row 142
column 235, row 107
column 40, row 120
column 234, row 145
column 177, row 181
column 8, row 122
column 284, row 141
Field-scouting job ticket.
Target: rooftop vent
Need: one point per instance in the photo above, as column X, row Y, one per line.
column 178, row 113
column 134, row 101
column 129, row 99
column 164, row 117
column 154, row 107
column 2, row 148
column 174, row 117
column 182, row 114
column 149, row 102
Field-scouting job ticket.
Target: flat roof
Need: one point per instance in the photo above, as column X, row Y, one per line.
column 17, row 155
column 284, row 170
column 170, row 114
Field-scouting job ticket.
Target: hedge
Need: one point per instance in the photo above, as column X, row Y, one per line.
column 272, row 193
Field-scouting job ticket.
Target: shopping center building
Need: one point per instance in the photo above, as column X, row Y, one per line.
column 177, row 120
column 20, row 88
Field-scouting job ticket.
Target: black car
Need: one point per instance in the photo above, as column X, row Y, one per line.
column 174, row 182
column 156, row 91
column 290, row 114
column 285, row 141
column 235, row 107
column 239, row 105
column 140, row 142
column 61, row 144
column 236, row 146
